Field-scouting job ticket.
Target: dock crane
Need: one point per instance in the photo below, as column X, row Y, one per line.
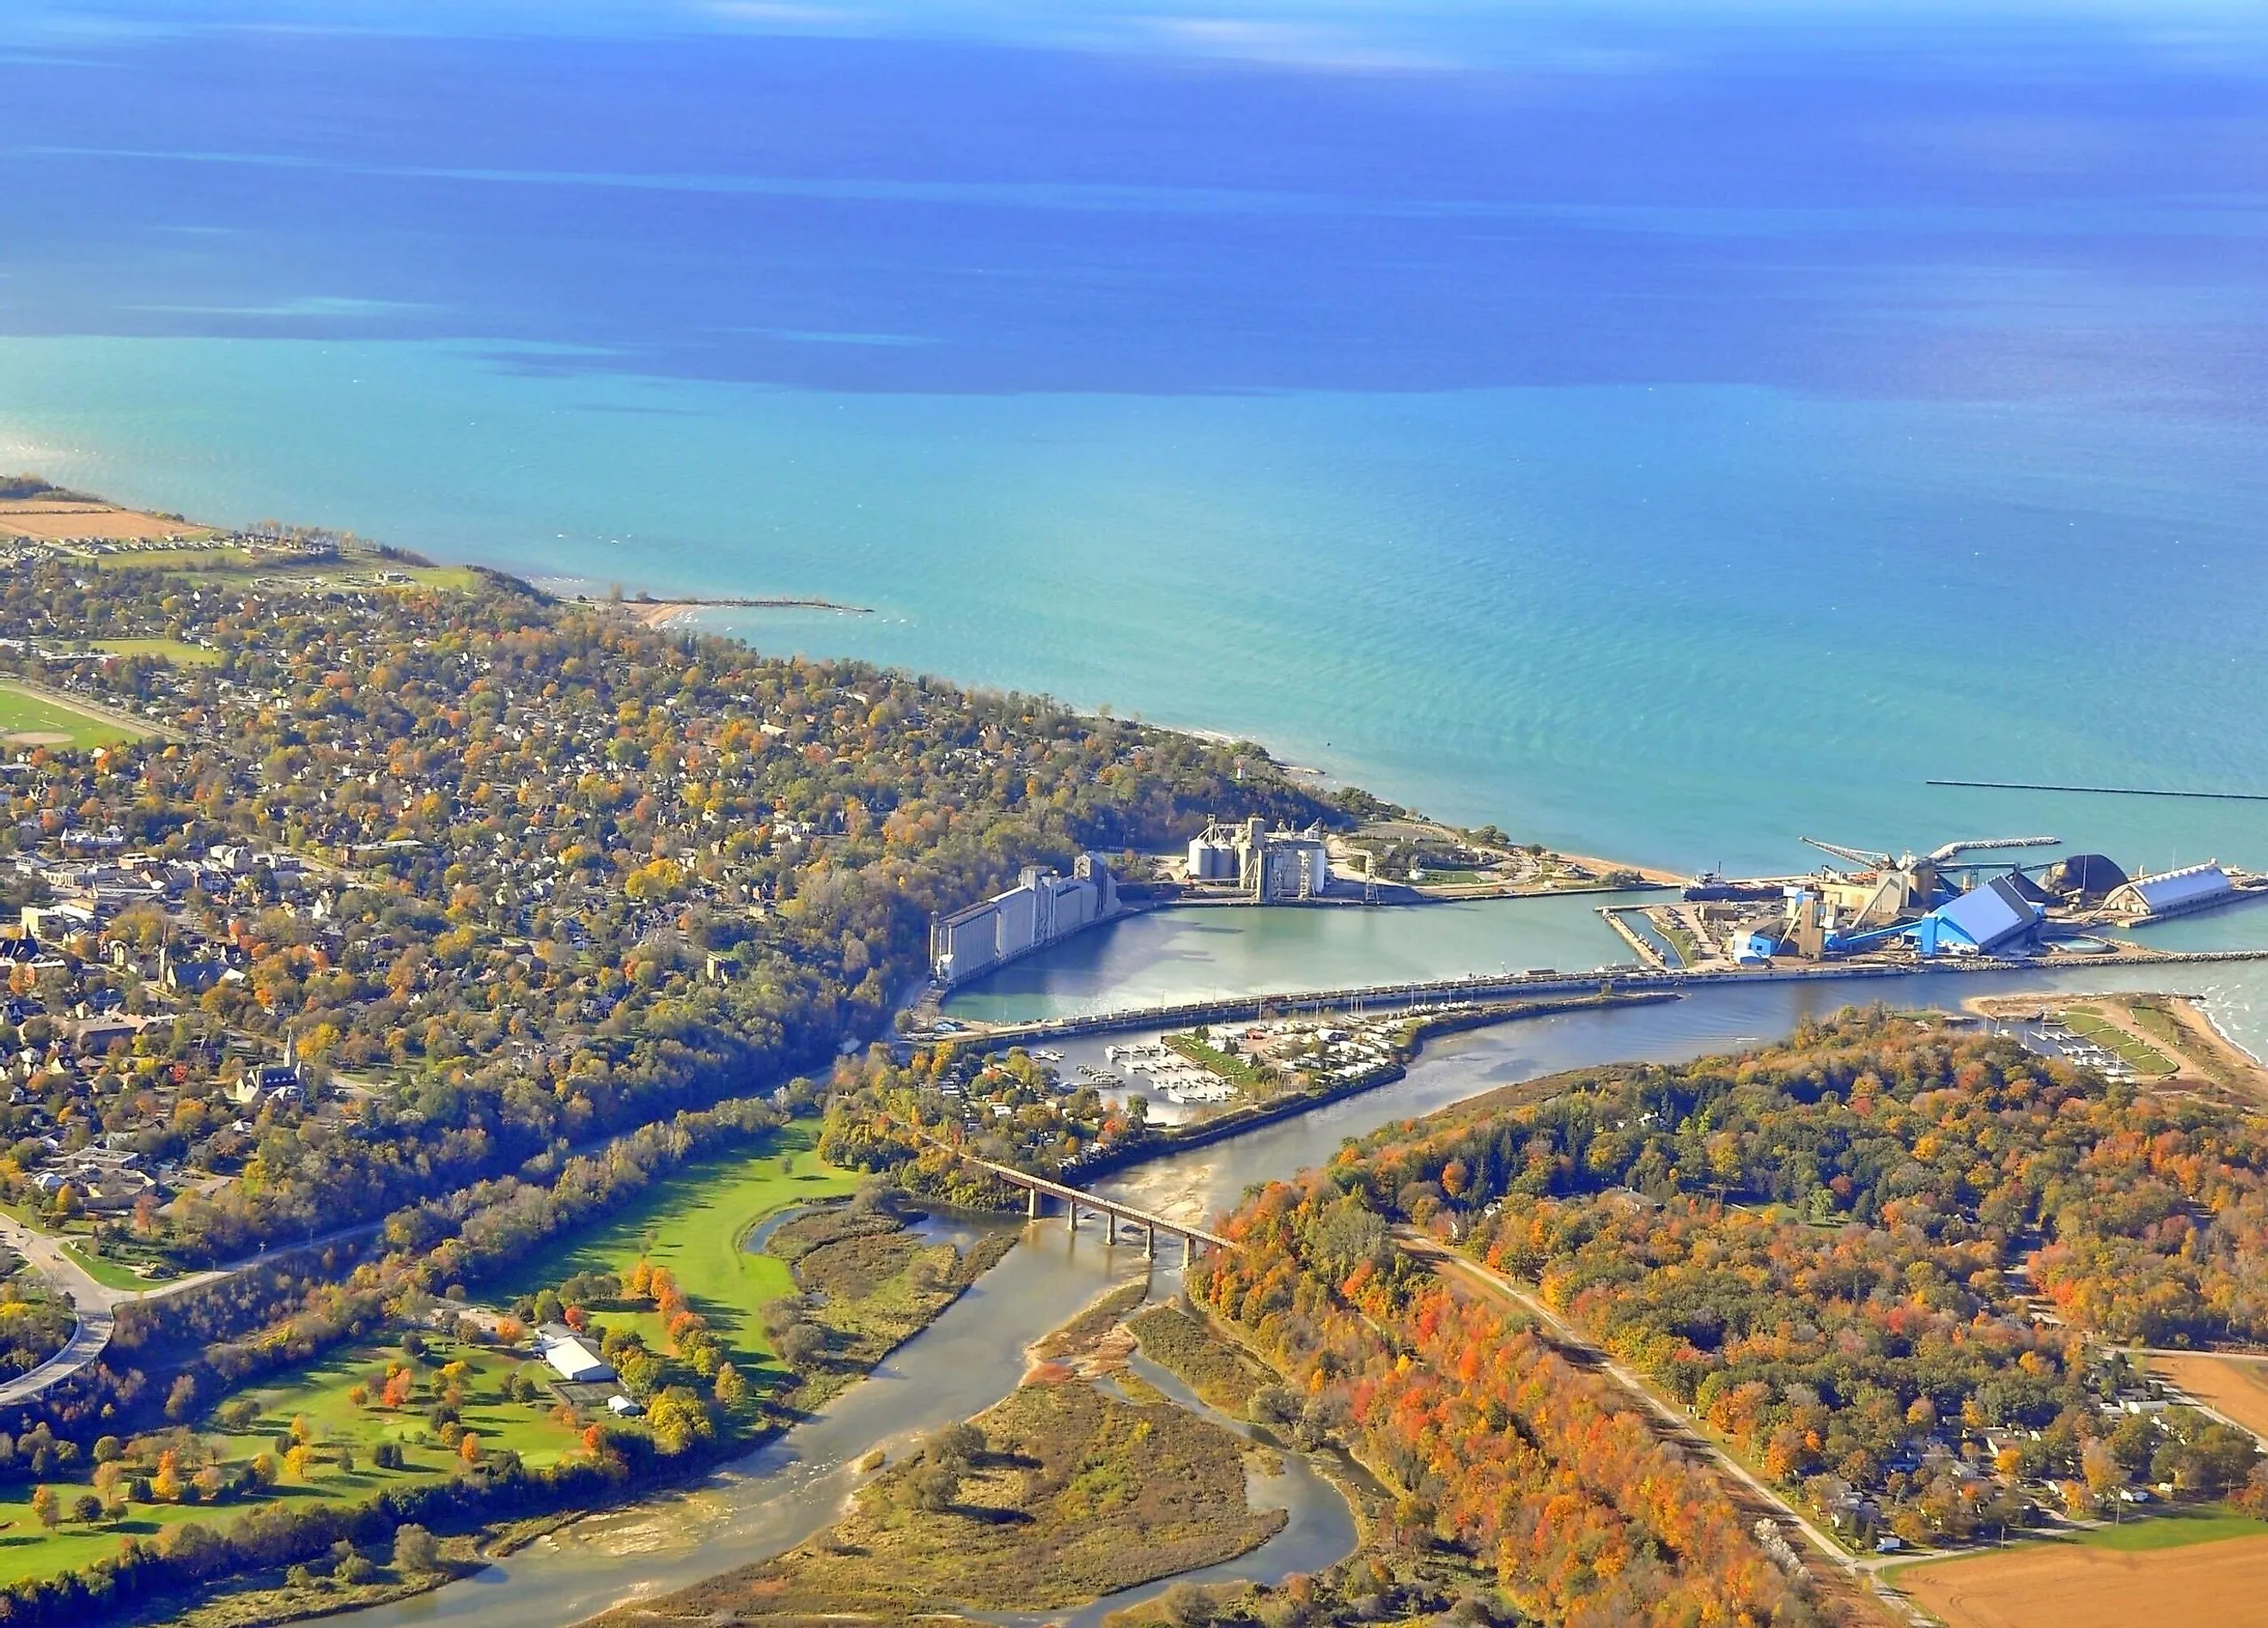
column 1887, row 890
column 1939, row 856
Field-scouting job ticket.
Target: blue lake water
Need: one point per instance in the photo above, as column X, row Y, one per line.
column 1661, row 432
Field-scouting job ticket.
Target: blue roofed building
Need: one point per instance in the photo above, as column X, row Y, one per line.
column 1987, row 920
column 1994, row 917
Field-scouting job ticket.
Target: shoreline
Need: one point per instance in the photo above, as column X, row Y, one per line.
column 659, row 612
column 1235, row 1122
column 2203, row 1048
column 666, row 613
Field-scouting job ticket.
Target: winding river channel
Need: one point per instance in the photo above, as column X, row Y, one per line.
column 974, row 1354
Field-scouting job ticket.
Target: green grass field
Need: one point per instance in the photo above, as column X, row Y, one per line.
column 27, row 1551
column 1237, row 1071
column 1688, row 947
column 460, row 578
column 2154, row 1526
column 229, row 563
column 694, row 1225
column 2136, row 1055
column 194, row 560
column 2156, row 1022
column 109, row 1273
column 22, row 712
column 317, row 1393
column 2170, row 1526
column 177, row 651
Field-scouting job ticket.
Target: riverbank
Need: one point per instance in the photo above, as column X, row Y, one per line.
column 1257, row 1116
column 860, row 1282
column 1081, row 1483
column 973, row 1355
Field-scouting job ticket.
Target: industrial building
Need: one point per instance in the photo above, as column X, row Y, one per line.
column 2172, row 893
column 1264, row 864
column 1938, row 904
column 1044, row 906
column 1912, row 900
column 1752, row 948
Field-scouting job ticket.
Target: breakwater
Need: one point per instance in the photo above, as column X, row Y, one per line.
column 1540, row 982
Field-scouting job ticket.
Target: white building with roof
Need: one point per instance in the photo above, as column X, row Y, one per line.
column 2173, row 893
column 575, row 1359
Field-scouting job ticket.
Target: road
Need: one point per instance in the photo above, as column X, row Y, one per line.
column 96, row 1304
column 1449, row 1264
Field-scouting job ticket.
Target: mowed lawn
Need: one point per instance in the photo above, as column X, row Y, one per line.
column 2172, row 1525
column 318, row 1394
column 696, row 1224
column 28, row 1552
column 227, row 564
column 179, row 651
column 27, row 715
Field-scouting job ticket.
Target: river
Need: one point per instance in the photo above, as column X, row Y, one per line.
column 973, row 1354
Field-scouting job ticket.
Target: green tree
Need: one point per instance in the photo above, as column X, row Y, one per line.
column 415, row 1548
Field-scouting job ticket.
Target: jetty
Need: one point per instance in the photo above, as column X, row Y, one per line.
column 1448, row 992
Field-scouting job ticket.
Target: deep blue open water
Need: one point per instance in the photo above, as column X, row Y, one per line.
column 1663, row 431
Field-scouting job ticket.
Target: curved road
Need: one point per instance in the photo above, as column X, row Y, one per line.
column 97, row 1305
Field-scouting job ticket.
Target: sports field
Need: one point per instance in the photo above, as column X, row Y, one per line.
column 178, row 652
column 2221, row 1584
column 27, row 720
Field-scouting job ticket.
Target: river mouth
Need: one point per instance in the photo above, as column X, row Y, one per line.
column 974, row 1354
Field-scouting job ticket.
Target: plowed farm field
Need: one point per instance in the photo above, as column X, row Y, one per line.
column 2215, row 1584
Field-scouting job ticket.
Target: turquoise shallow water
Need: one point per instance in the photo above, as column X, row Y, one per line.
column 1192, row 954
column 1678, row 624
column 1661, row 431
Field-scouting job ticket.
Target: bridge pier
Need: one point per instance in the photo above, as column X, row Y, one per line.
column 1037, row 1189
